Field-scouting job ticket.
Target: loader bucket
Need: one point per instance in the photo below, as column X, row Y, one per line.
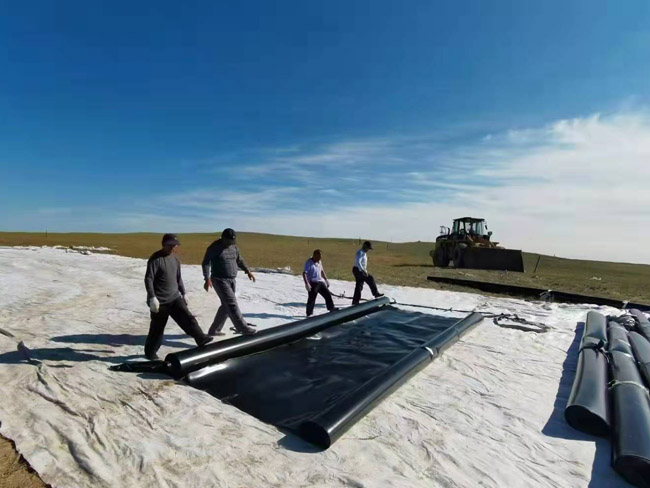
column 493, row 258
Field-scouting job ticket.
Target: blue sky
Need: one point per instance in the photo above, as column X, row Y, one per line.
column 383, row 119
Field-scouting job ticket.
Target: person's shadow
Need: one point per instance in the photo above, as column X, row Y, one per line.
column 302, row 304
column 24, row 354
column 270, row 316
column 602, row 474
column 118, row 340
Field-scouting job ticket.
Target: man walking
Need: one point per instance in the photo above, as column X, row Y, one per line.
column 166, row 296
column 220, row 264
column 360, row 271
column 316, row 282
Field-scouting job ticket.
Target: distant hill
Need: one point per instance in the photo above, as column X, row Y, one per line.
column 406, row 264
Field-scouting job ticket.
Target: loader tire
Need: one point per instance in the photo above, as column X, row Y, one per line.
column 458, row 255
column 441, row 259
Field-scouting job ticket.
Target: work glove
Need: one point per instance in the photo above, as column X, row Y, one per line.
column 154, row 305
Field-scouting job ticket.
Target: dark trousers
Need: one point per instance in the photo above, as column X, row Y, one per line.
column 362, row 278
column 181, row 315
column 225, row 288
column 318, row 287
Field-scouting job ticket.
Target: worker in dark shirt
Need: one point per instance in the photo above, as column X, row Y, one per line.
column 220, row 265
column 166, row 296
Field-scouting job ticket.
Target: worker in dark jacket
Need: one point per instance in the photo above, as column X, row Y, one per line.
column 166, row 296
column 361, row 275
column 316, row 282
column 220, row 265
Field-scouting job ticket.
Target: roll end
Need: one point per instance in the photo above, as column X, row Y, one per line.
column 315, row 434
column 586, row 421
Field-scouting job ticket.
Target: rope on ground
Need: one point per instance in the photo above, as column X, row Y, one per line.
column 503, row 320
column 520, row 324
column 7, row 333
column 343, row 295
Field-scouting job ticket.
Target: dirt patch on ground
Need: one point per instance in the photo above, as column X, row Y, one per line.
column 14, row 470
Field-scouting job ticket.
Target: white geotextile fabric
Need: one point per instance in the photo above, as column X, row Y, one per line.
column 487, row 413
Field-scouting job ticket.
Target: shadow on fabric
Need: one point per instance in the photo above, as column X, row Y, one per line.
column 24, row 354
column 271, row 316
column 293, row 442
column 118, row 340
column 35, row 356
column 602, row 474
column 302, row 304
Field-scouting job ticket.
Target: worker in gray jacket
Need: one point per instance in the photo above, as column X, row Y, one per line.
column 166, row 296
column 220, row 265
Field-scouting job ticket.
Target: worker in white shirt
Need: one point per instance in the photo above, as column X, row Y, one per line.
column 360, row 271
column 316, row 282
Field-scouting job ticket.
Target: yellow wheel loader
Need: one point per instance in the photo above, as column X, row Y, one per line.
column 467, row 245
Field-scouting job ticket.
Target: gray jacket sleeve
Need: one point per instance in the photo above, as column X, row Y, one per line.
column 205, row 265
column 241, row 263
column 181, row 285
column 152, row 267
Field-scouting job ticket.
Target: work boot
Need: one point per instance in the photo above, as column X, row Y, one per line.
column 206, row 340
column 213, row 331
column 379, row 295
column 152, row 357
column 248, row 330
column 334, row 309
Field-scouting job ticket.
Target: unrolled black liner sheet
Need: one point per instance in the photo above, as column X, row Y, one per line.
column 293, row 383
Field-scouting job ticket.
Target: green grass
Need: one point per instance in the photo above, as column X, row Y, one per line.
column 396, row 264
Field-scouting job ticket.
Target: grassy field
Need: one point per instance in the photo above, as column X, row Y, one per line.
column 397, row 264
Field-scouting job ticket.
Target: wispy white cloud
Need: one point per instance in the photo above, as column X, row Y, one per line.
column 242, row 202
column 55, row 210
column 574, row 188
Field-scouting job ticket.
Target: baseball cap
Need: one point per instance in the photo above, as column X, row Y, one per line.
column 229, row 234
column 170, row 240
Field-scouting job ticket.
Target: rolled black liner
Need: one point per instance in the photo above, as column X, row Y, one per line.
column 588, row 407
column 631, row 411
column 184, row 362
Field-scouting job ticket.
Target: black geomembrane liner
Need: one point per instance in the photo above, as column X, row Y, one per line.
column 290, row 384
column 318, row 376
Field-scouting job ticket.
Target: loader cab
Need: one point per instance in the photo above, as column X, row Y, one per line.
column 469, row 226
